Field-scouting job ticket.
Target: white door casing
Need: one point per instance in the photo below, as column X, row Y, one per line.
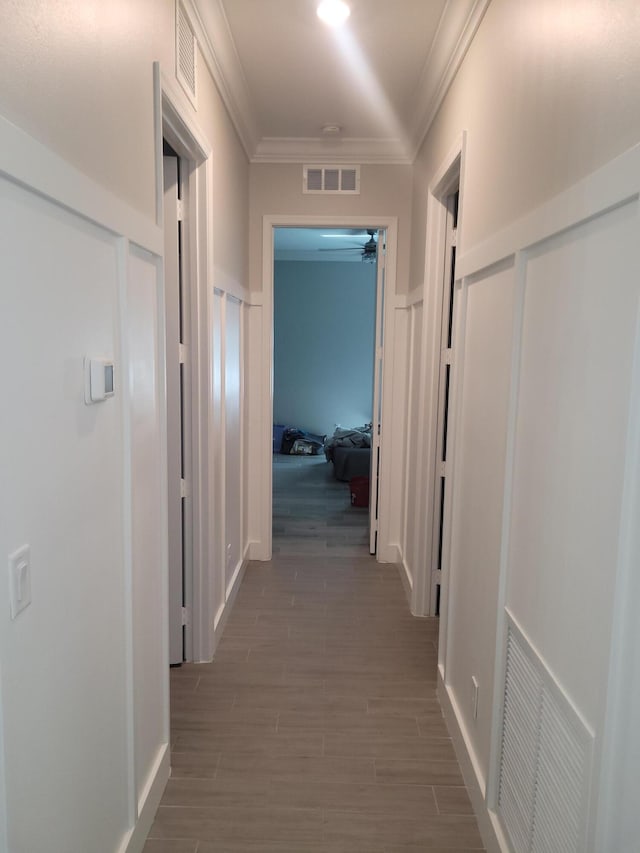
column 260, row 545
column 174, row 420
column 174, row 124
column 376, row 419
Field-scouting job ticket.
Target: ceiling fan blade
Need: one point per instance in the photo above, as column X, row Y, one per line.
column 351, row 249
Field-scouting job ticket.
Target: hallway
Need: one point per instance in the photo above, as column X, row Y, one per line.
column 316, row 729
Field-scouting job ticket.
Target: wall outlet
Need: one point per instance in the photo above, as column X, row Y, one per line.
column 474, row 696
column 229, row 554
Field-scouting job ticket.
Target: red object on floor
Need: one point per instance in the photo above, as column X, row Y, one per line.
column 359, row 487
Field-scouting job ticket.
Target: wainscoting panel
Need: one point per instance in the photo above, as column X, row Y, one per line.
column 62, row 658
column 148, row 478
column 217, row 455
column 227, row 452
column 544, row 435
column 413, row 525
column 233, row 440
column 483, row 384
column 582, row 290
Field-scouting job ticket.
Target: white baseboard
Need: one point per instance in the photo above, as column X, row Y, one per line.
column 492, row 835
column 407, row 580
column 134, row 840
column 223, row 613
column 256, row 551
column 389, row 554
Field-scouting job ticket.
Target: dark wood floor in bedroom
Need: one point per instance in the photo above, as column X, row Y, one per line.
column 312, row 512
column 316, row 729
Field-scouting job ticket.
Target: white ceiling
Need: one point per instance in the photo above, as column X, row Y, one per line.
column 284, row 74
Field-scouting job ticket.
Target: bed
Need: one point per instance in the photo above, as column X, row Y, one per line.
column 350, row 452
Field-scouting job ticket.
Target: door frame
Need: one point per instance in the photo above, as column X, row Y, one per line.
column 262, row 548
column 173, row 123
column 450, row 173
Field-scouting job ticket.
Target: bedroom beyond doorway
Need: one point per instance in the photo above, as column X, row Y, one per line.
column 324, row 323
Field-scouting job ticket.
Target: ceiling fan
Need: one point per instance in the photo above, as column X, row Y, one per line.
column 368, row 250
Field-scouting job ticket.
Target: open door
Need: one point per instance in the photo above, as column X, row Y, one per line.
column 377, row 396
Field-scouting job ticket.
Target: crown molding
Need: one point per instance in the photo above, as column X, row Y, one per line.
column 457, row 27
column 220, row 54
column 319, row 150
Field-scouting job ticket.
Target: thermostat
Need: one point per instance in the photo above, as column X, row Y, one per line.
column 98, row 380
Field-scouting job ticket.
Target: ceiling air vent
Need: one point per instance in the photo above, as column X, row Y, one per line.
column 331, row 179
column 186, row 53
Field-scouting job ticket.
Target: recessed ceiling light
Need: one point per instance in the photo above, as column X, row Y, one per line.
column 333, row 12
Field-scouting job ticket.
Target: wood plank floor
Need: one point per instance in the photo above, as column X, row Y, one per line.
column 312, row 512
column 316, row 729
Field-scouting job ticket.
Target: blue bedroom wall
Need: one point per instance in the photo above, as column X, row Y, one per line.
column 324, row 315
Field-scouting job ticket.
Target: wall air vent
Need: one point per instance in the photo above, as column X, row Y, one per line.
column 331, row 179
column 186, row 53
column 545, row 764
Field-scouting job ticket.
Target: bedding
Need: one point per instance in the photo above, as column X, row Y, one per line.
column 349, row 462
column 350, row 452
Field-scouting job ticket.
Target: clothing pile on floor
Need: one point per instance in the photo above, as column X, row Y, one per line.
column 296, row 442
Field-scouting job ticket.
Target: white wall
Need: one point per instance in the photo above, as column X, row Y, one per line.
column 81, row 725
column 84, row 669
column 547, row 95
column 324, row 324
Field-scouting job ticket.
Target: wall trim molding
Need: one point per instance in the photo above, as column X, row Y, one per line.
column 604, row 189
column 407, row 578
column 390, row 152
column 220, row 54
column 405, row 301
column 135, row 839
column 456, row 30
column 28, row 163
column 222, row 616
column 488, row 823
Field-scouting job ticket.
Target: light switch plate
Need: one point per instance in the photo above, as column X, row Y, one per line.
column 20, row 579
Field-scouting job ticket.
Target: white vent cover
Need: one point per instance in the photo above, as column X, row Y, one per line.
column 186, row 53
column 331, row 179
column 545, row 765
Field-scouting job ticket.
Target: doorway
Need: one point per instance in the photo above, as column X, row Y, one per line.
column 325, row 294
column 179, row 398
column 383, row 499
column 185, row 217
column 451, row 203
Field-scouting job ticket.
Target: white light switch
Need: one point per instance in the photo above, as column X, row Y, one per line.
column 20, row 579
